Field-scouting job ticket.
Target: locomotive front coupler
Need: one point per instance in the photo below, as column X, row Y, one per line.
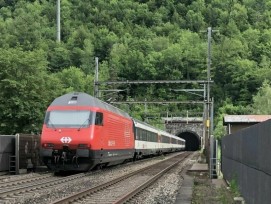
column 64, row 156
column 75, row 161
column 56, row 159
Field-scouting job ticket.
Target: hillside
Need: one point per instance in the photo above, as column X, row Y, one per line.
column 134, row 40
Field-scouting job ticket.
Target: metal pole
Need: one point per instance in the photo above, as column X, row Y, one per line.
column 17, row 153
column 167, row 115
column 212, row 117
column 211, row 157
column 145, row 110
column 209, row 63
column 207, row 135
column 204, row 92
column 208, row 74
column 58, row 20
column 96, row 87
column 187, row 117
column 205, row 119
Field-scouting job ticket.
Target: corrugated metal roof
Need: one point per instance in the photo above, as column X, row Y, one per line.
column 245, row 118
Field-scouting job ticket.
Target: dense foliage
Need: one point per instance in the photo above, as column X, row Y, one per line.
column 134, row 40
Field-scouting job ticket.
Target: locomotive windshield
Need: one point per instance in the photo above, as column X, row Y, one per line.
column 69, row 118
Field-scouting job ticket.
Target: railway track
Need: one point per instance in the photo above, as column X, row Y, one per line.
column 19, row 187
column 20, row 181
column 14, row 187
column 8, row 177
column 125, row 187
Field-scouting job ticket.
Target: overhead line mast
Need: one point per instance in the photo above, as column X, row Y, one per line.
column 58, row 20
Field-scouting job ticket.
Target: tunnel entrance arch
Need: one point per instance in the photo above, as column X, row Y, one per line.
column 188, row 128
column 193, row 142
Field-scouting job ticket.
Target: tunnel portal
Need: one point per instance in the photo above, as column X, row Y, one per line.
column 192, row 141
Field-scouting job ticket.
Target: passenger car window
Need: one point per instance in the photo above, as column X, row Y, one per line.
column 99, row 118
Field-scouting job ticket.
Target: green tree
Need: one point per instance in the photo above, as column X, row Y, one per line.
column 59, row 57
column 239, row 15
column 227, row 108
column 25, row 26
column 74, row 79
column 262, row 100
column 135, row 40
column 80, row 45
column 26, row 90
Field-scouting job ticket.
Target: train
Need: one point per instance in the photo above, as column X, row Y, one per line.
column 81, row 132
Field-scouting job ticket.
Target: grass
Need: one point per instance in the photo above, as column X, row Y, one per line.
column 234, row 187
column 205, row 192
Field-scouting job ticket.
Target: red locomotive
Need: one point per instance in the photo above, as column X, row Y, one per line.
column 81, row 132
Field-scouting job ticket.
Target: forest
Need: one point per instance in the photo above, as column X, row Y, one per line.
column 134, row 40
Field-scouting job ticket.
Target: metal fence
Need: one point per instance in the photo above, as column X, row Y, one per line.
column 246, row 159
column 214, row 163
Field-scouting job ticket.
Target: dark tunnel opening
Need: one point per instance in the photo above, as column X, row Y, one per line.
column 192, row 141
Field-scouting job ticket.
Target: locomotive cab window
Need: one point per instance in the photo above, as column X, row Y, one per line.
column 99, row 118
column 68, row 118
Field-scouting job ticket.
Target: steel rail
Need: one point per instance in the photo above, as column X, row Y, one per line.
column 90, row 191
column 149, row 182
column 37, row 186
column 23, row 180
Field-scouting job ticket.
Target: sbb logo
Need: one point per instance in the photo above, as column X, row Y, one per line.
column 65, row 139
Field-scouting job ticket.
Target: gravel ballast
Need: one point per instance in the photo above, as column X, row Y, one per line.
column 162, row 192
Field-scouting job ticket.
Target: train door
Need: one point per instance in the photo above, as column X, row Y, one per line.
column 99, row 137
column 159, row 143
